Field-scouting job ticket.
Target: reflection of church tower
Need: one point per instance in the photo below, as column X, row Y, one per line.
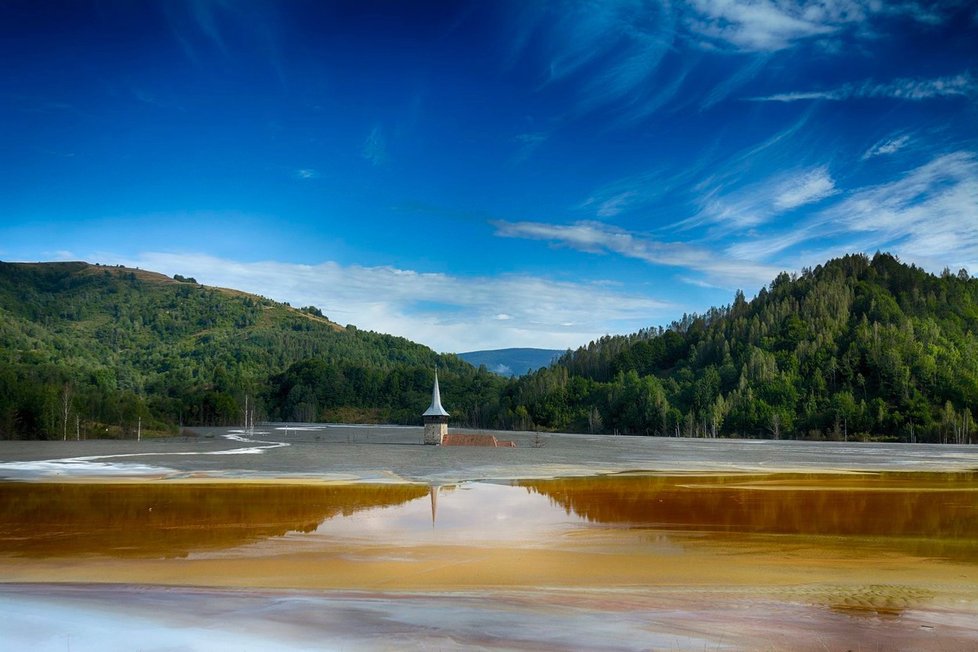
column 435, row 418
column 433, row 491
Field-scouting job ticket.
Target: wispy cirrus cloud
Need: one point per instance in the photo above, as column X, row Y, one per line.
column 614, row 205
column 621, row 55
column 755, row 204
column 732, row 83
column 598, row 238
column 625, row 194
column 773, row 25
column 608, row 54
column 640, row 191
column 446, row 312
column 766, row 25
column 804, row 188
column 963, row 85
column 928, row 216
column 886, row 146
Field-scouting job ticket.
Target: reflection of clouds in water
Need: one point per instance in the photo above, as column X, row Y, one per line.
column 41, row 624
column 469, row 513
column 111, row 618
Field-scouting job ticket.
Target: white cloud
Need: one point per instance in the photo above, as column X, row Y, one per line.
column 615, row 205
column 805, row 188
column 963, row 85
column 772, row 25
column 597, row 238
column 886, row 146
column 755, row 204
column 448, row 313
column 928, row 216
column 801, row 96
column 765, row 25
column 922, row 89
column 764, row 247
column 306, row 173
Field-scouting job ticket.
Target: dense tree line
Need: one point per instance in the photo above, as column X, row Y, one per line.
column 100, row 351
column 857, row 348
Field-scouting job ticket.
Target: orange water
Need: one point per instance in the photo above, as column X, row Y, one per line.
column 917, row 532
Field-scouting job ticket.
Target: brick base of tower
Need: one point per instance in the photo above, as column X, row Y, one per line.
column 435, row 429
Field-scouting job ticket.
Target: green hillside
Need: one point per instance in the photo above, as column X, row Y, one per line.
column 93, row 350
column 856, row 348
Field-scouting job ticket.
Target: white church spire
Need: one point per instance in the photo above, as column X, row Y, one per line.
column 435, row 418
column 435, row 409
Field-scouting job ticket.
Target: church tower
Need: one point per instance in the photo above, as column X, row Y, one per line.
column 435, row 418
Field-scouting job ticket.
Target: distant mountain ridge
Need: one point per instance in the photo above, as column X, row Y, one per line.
column 512, row 362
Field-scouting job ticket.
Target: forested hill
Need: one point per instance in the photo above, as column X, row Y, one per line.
column 854, row 348
column 92, row 350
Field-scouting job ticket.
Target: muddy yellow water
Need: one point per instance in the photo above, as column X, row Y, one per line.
column 930, row 514
column 172, row 520
column 879, row 542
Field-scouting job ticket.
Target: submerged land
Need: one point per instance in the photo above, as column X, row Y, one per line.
column 338, row 537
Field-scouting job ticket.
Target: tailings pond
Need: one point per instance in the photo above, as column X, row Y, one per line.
column 620, row 561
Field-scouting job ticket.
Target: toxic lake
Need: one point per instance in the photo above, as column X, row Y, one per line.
column 333, row 537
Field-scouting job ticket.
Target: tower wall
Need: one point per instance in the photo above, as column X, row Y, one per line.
column 435, row 429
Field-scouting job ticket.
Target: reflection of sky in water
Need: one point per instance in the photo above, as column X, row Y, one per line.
column 922, row 513
column 120, row 618
column 928, row 514
column 626, row 531
column 469, row 513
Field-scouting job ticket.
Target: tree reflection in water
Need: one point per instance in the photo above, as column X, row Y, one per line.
column 935, row 514
column 170, row 519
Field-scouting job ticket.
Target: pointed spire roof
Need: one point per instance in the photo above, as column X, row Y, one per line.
column 435, row 409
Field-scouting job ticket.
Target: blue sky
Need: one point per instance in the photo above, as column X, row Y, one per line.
column 487, row 174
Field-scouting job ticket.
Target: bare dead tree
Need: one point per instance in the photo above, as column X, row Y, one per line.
column 65, row 408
